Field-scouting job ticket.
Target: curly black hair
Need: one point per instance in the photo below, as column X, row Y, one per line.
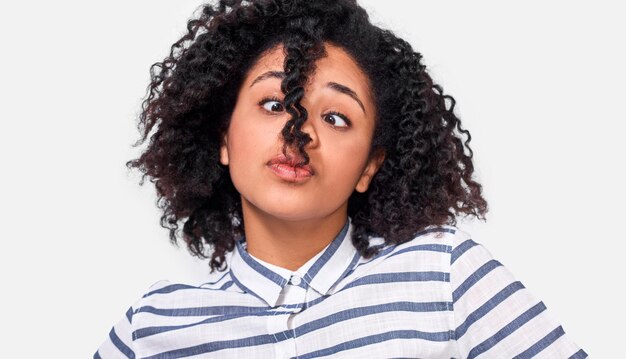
column 426, row 176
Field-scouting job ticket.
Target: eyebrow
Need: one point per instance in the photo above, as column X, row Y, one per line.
column 331, row 85
column 269, row 75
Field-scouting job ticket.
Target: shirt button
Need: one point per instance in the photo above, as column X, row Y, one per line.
column 295, row 280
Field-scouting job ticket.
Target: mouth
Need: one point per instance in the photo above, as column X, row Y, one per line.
column 290, row 169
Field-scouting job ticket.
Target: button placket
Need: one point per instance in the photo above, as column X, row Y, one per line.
column 297, row 293
column 278, row 325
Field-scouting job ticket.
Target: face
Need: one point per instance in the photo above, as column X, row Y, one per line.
column 340, row 122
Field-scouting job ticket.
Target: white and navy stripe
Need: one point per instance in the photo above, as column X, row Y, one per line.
column 440, row 295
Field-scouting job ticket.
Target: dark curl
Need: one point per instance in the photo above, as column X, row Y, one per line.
column 425, row 179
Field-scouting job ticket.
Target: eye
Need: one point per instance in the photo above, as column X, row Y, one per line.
column 337, row 119
column 271, row 104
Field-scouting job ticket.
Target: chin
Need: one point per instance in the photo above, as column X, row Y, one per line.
column 290, row 216
column 283, row 210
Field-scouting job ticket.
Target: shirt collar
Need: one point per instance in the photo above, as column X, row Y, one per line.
column 322, row 272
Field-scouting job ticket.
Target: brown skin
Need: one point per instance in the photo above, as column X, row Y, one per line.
column 288, row 223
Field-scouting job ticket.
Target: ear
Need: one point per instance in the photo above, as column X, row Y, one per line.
column 370, row 170
column 224, row 151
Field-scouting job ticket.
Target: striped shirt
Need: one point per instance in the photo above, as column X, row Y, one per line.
column 439, row 295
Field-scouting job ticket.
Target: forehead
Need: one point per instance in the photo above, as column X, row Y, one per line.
column 337, row 66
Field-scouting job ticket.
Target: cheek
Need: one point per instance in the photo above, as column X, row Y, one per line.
column 346, row 164
column 240, row 142
column 250, row 142
column 240, row 132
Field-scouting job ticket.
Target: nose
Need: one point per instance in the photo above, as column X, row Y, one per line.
column 309, row 127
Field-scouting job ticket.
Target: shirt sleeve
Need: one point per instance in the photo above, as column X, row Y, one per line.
column 119, row 343
column 495, row 316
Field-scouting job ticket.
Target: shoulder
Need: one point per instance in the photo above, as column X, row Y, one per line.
column 429, row 249
column 448, row 239
column 442, row 244
column 166, row 291
column 165, row 298
column 459, row 242
column 153, row 293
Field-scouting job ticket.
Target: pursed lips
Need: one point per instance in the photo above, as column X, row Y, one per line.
column 292, row 163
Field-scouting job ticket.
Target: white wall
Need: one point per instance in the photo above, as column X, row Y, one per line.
column 538, row 84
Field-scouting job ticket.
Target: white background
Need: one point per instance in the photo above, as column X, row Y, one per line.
column 540, row 86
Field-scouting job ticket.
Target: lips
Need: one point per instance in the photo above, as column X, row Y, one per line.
column 291, row 162
column 290, row 169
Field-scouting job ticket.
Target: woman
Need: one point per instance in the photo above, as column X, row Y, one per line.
column 309, row 155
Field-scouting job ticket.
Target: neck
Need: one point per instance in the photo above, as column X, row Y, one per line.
column 289, row 244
